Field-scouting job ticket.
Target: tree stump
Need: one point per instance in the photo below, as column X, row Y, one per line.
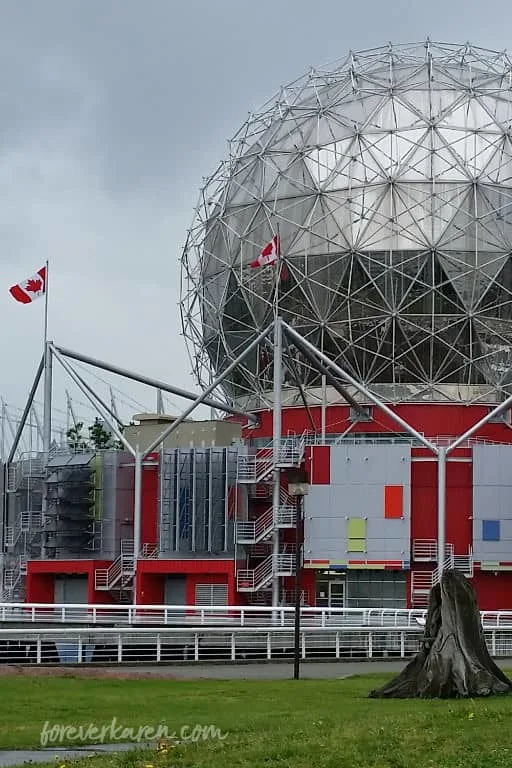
column 453, row 661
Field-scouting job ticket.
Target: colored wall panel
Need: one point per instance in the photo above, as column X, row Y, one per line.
column 320, row 466
column 356, row 528
column 356, row 545
column 393, row 502
column 490, row 530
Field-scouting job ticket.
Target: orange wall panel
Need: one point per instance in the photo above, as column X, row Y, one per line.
column 393, row 502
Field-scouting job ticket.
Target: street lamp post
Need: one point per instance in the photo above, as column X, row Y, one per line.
column 298, row 488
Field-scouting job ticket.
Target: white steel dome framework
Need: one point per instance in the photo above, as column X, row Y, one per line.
column 388, row 178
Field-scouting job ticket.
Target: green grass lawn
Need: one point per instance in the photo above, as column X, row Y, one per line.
column 299, row 724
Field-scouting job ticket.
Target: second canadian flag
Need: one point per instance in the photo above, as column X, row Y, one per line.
column 269, row 254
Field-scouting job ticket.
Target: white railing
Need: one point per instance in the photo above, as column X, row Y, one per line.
column 149, row 551
column 13, row 575
column 273, row 565
column 27, row 521
column 424, row 550
column 254, row 531
column 31, row 520
column 291, row 451
column 253, row 468
column 13, row 474
column 12, row 534
column 106, row 614
column 256, row 467
column 144, row 644
column 423, row 581
column 251, row 580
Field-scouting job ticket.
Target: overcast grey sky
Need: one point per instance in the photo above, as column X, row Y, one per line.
column 112, row 111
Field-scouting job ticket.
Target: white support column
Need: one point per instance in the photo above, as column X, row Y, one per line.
column 441, row 507
column 276, row 449
column 47, row 415
column 137, row 515
column 324, row 406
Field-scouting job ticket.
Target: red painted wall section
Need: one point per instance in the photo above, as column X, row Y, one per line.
column 318, row 464
column 459, row 506
column 42, row 573
column 40, row 588
column 431, row 419
column 494, row 593
column 423, row 500
column 150, row 589
column 307, row 583
column 197, row 572
column 149, row 510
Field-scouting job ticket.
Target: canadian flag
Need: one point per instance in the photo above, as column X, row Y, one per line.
column 31, row 288
column 269, row 254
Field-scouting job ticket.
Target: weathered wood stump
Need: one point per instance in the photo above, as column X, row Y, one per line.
column 453, row 661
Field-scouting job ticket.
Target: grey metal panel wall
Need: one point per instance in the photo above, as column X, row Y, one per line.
column 492, row 500
column 109, row 544
column 359, row 474
column 195, row 498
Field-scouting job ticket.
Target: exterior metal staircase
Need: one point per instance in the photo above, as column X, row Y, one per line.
column 27, row 522
column 262, row 575
column 119, row 575
column 254, row 531
column 423, row 581
column 14, row 579
column 30, row 465
column 256, row 470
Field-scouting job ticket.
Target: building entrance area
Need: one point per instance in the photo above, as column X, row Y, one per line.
column 330, row 590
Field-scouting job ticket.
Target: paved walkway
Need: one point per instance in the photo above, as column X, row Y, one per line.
column 257, row 671
column 308, row 670
column 11, row 757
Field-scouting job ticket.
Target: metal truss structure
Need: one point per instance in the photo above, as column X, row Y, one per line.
column 388, row 177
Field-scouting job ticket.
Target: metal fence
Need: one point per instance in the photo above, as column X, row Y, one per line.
column 145, row 645
column 223, row 616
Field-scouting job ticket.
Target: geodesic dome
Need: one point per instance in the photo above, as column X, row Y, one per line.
column 388, row 178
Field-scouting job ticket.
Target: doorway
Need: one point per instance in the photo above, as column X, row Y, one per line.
column 330, row 591
column 336, row 594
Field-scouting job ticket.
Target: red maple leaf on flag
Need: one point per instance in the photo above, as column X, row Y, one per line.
column 33, row 286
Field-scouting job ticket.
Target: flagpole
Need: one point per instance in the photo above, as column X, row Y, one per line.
column 47, row 416
column 46, row 304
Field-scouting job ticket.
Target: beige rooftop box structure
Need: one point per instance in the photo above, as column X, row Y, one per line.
column 189, row 434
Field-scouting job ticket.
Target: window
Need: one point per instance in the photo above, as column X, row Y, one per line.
column 376, row 589
column 364, row 414
column 491, row 530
